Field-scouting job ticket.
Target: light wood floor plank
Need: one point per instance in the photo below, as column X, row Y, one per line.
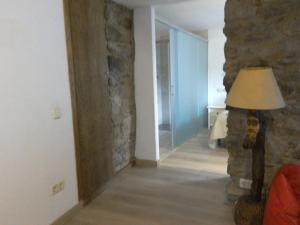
column 187, row 189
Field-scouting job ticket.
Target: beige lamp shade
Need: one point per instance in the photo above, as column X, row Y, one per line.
column 255, row 88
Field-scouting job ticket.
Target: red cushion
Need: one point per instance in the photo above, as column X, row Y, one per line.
column 292, row 174
column 283, row 205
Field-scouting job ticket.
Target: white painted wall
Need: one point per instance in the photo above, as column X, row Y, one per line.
column 35, row 150
column 147, row 147
column 216, row 60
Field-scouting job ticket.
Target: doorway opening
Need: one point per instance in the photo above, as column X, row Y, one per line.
column 164, row 88
column 190, row 92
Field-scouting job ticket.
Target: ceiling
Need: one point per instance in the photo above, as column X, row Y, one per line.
column 192, row 15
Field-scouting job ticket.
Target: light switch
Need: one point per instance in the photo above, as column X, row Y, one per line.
column 56, row 113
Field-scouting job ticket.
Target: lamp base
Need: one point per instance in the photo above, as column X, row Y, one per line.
column 248, row 212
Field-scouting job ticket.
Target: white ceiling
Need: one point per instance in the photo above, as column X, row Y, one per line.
column 192, row 15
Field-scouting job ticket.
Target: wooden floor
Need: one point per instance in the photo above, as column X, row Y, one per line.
column 169, row 195
column 195, row 154
column 165, row 146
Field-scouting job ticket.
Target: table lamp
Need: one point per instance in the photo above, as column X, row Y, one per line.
column 255, row 89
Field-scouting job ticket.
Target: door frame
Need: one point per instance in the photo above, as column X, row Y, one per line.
column 72, row 80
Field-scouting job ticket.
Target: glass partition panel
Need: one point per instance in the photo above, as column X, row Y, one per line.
column 189, row 88
column 163, row 87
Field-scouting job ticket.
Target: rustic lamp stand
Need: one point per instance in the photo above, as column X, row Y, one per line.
column 250, row 209
column 254, row 89
column 258, row 159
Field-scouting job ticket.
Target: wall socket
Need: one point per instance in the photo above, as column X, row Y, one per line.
column 57, row 187
column 56, row 113
column 245, row 183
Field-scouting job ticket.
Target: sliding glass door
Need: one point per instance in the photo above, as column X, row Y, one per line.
column 163, row 88
column 188, row 65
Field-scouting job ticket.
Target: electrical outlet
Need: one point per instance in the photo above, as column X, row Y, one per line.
column 58, row 187
column 56, row 113
column 245, row 183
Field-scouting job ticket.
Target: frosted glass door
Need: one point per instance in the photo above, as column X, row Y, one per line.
column 189, row 57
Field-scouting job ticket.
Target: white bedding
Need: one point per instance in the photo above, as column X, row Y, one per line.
column 219, row 129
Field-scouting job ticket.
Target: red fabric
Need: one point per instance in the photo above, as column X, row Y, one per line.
column 283, row 205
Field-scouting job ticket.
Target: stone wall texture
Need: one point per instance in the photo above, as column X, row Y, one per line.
column 120, row 46
column 264, row 33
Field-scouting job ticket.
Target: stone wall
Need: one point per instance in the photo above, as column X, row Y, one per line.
column 120, row 45
column 264, row 33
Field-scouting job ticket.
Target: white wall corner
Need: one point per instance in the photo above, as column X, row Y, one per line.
column 147, row 142
column 216, row 60
column 37, row 148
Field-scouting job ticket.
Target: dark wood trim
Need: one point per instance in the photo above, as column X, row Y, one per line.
column 73, row 93
column 88, row 71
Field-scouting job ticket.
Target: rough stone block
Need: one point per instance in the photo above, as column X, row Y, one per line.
column 264, row 33
column 119, row 34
